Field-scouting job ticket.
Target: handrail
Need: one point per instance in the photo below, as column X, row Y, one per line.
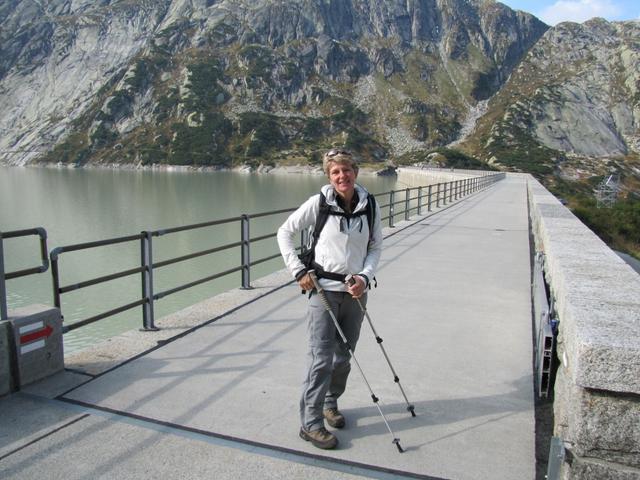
column 42, row 233
column 58, row 289
column 400, row 202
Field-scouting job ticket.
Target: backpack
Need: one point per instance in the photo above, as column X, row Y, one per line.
column 307, row 255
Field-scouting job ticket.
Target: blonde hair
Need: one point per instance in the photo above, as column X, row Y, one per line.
column 338, row 155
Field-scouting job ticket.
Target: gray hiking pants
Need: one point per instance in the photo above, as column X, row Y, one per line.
column 328, row 356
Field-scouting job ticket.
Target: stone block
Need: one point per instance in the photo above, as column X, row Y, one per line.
column 590, row 469
column 596, row 424
column 602, row 346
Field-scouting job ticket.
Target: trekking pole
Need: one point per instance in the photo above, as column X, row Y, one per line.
column 410, row 408
column 376, row 400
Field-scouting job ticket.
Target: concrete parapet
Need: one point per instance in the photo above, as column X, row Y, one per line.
column 597, row 300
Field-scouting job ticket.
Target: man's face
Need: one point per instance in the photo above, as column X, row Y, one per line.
column 343, row 178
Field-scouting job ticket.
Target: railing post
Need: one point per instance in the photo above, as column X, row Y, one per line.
column 146, row 261
column 419, row 200
column 444, row 197
column 392, row 199
column 245, row 252
column 55, row 277
column 429, row 198
column 3, row 287
column 438, row 196
column 407, row 195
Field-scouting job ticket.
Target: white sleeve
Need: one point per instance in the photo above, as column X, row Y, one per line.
column 302, row 218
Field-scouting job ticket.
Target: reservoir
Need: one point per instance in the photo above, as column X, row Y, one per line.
column 85, row 205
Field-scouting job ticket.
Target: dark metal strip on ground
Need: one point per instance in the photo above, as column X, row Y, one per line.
column 41, row 437
column 344, row 466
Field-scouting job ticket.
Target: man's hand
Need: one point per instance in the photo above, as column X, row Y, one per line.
column 356, row 286
column 306, row 283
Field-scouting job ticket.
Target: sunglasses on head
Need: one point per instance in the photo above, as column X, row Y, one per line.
column 337, row 151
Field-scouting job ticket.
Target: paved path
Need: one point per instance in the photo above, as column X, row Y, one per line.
column 453, row 307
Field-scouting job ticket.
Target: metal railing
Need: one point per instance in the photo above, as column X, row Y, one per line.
column 41, row 232
column 430, row 196
column 415, row 199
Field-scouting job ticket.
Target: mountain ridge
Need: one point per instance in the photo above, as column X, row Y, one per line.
column 291, row 59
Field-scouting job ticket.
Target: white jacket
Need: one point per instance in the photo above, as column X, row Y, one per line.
column 340, row 249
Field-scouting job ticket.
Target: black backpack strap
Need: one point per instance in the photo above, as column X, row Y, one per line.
column 371, row 212
column 308, row 254
column 323, row 214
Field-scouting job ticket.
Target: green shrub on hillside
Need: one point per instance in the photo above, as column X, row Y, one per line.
column 350, row 115
column 74, row 150
column 356, row 140
column 166, row 104
column 146, row 71
column 103, row 136
column 202, row 145
column 259, row 61
column 204, row 91
column 264, row 133
column 313, row 129
column 618, row 226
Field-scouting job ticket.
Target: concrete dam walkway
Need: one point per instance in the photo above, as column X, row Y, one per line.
column 453, row 306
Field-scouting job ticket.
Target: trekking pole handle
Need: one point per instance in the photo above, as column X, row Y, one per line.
column 314, row 279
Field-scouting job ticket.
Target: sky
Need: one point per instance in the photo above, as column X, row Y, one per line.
column 553, row 12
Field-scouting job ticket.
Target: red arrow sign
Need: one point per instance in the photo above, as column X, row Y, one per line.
column 30, row 337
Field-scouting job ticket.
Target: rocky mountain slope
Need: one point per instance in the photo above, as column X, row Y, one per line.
column 571, row 107
column 214, row 82
column 206, row 82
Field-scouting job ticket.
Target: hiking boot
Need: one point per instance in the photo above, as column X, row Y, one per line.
column 334, row 417
column 320, row 438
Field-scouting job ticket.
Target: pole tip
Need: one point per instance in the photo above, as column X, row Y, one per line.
column 397, row 442
column 411, row 408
